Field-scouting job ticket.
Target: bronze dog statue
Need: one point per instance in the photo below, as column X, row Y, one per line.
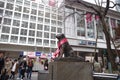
column 65, row 48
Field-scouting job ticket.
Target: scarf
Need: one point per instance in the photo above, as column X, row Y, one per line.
column 57, row 52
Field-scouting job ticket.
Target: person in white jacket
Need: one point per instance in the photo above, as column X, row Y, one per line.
column 14, row 69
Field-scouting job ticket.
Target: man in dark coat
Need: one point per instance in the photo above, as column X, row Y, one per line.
column 1, row 61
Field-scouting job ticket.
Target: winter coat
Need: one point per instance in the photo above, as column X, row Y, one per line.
column 8, row 66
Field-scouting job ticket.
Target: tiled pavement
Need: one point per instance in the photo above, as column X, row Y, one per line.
column 34, row 77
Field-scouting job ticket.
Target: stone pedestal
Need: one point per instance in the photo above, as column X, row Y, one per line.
column 70, row 71
column 43, row 75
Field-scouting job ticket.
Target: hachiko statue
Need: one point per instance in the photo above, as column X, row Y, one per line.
column 64, row 48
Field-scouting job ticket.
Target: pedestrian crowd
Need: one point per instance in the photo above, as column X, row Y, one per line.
column 10, row 68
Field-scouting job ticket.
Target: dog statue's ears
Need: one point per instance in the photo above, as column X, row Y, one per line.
column 60, row 36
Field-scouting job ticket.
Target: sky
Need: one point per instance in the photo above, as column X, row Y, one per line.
column 59, row 1
column 93, row 1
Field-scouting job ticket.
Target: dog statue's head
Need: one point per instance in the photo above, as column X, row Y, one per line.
column 60, row 36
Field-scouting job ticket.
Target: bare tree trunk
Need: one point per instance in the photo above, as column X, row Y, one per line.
column 108, row 43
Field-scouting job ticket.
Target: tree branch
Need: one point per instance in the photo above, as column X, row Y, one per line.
column 106, row 8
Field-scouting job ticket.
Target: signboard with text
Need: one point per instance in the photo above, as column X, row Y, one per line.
column 87, row 43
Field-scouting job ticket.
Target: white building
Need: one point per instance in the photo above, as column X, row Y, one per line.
column 26, row 25
column 31, row 26
column 81, row 29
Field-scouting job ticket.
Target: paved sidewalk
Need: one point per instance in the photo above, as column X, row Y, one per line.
column 34, row 77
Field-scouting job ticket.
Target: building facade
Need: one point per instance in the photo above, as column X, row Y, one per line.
column 26, row 25
column 32, row 26
column 81, row 28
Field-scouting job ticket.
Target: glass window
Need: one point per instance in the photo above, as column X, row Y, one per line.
column 5, row 29
column 41, row 6
column 27, row 3
column 100, row 31
column 39, row 41
column 59, row 23
column 39, row 34
column 70, row 21
column 99, row 28
column 32, row 25
column 19, row 2
column 47, row 21
column 33, row 11
column 59, row 17
column 40, row 19
column 30, row 40
column 23, row 32
column 14, row 39
column 54, row 10
column 0, row 20
column 17, row 15
column 24, row 24
column 90, row 25
column 53, row 16
column 2, row 4
column 7, row 21
column 34, row 5
column 1, row 12
column 46, row 28
column 12, row 1
column 46, row 35
column 53, row 22
column 31, row 33
column 8, row 13
column 4, row 37
column 47, row 14
column 53, row 42
column 117, row 30
column 39, row 26
column 40, row 13
column 53, row 29
column 18, row 8
column 25, row 17
column 16, row 23
column 9, row 6
column 53, row 36
column 46, row 42
column 22, row 39
column 80, row 24
column 33, row 18
column 26, row 10
column 78, row 33
column 47, row 9
column 15, row 30
column 113, row 25
column 59, row 30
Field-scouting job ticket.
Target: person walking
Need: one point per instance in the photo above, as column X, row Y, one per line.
column 19, row 67
column 14, row 69
column 46, row 64
column 29, row 68
column 23, row 68
column 8, row 66
column 2, row 63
